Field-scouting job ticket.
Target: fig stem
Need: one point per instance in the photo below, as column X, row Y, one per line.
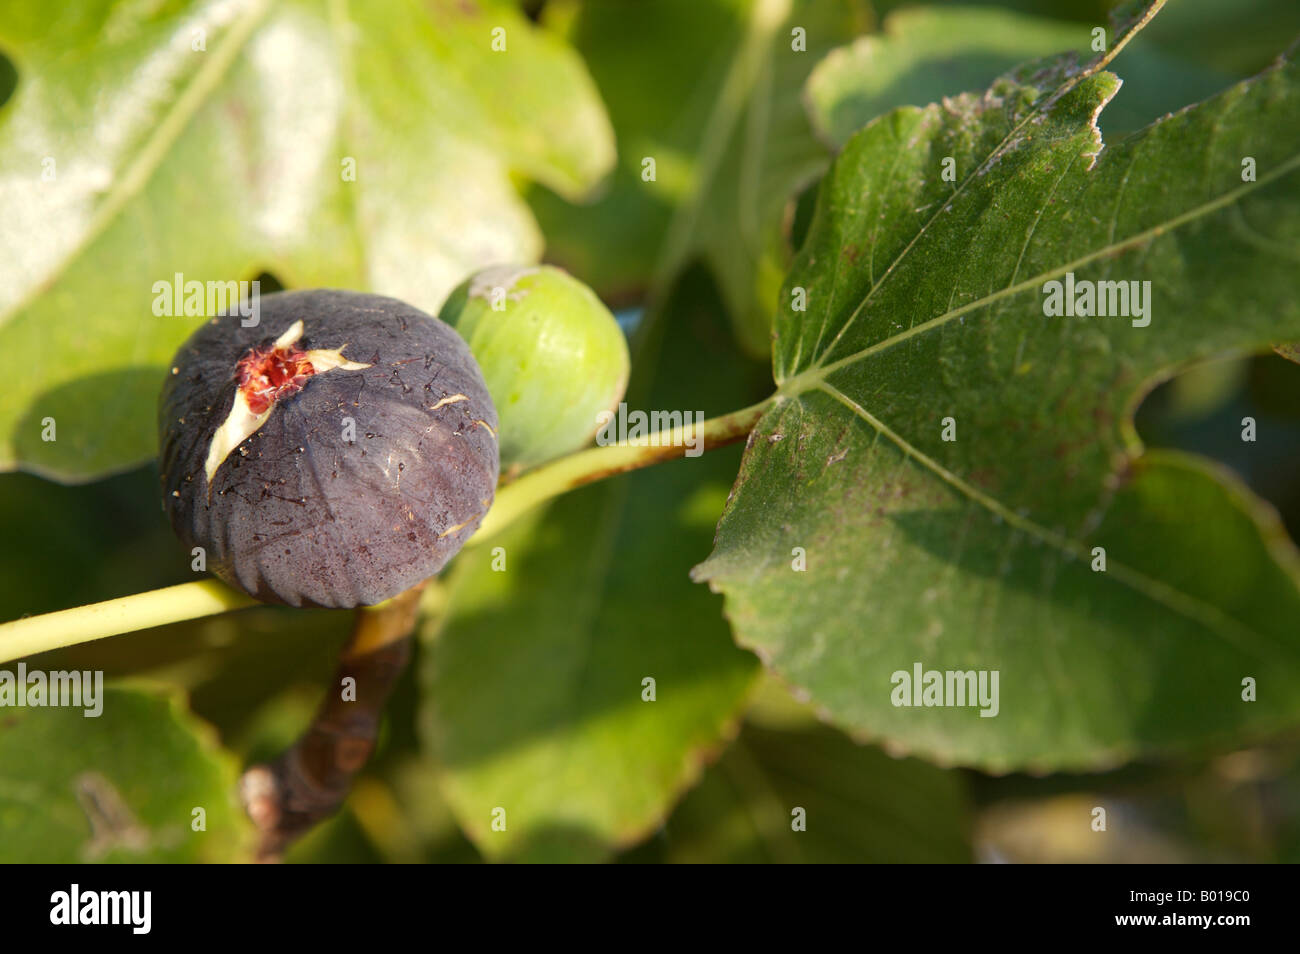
column 172, row 604
column 311, row 779
column 584, row 467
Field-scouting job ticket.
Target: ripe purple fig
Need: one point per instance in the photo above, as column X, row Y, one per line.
column 335, row 454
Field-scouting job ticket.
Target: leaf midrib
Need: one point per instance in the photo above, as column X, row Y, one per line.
column 1198, row 611
column 1043, row 104
column 815, row 376
column 735, row 93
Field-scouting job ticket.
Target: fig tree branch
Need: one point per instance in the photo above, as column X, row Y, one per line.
column 173, row 604
column 587, row 466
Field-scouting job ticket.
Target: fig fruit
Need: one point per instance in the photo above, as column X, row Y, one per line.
column 335, row 454
column 551, row 352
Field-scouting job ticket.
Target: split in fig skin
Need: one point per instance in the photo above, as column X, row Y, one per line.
column 294, row 512
column 263, row 377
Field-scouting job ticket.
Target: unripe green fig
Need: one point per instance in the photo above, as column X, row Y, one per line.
column 552, row 354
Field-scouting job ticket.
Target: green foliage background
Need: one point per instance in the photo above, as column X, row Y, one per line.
column 526, row 687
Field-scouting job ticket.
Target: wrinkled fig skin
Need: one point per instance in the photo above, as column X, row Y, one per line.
column 299, row 516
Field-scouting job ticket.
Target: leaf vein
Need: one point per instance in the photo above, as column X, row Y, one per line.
column 1233, row 631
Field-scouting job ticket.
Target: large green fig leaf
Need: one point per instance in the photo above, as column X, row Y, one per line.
column 710, row 91
column 955, row 465
column 367, row 146
column 922, row 54
column 791, row 789
column 925, row 53
column 535, row 694
column 123, row 785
